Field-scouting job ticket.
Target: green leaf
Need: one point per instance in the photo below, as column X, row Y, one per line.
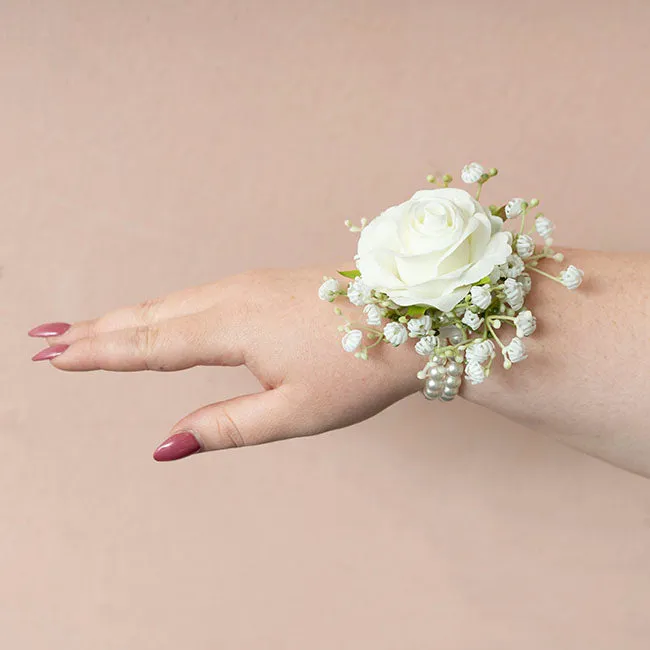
column 350, row 274
column 415, row 311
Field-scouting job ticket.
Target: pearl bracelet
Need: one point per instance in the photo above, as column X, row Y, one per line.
column 442, row 268
column 444, row 378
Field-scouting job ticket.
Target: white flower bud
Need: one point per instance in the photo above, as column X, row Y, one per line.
column 495, row 274
column 525, row 246
column 471, row 173
column 514, row 208
column 515, row 351
column 513, row 267
column 526, row 323
column 544, row 227
column 472, row 320
column 426, row 345
column 480, row 351
column 351, row 340
column 395, row 333
column 419, row 326
column 373, row 314
column 526, row 282
column 327, row 291
column 481, row 296
column 474, row 372
column 571, row 277
column 358, row 293
column 514, row 293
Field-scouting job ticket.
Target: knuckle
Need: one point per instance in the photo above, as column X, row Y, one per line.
column 146, row 340
column 228, row 432
column 148, row 309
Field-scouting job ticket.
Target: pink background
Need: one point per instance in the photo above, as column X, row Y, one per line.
column 151, row 145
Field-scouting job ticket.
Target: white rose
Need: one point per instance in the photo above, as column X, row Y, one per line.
column 432, row 248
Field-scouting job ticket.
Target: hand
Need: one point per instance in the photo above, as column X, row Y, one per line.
column 269, row 320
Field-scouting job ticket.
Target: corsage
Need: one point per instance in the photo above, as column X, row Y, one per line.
column 442, row 270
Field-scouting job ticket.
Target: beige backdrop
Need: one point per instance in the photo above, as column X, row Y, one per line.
column 149, row 145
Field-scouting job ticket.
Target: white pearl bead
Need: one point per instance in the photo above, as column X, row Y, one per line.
column 437, row 372
column 453, row 382
column 455, row 339
column 438, row 360
column 433, row 385
column 429, row 395
column 447, row 398
column 449, row 392
column 454, row 369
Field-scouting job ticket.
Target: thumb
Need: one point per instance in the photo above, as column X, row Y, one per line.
column 247, row 420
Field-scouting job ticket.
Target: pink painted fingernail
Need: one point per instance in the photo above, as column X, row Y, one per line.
column 177, row 446
column 51, row 352
column 49, row 329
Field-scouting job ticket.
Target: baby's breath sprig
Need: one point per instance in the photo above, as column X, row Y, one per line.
column 352, row 228
column 458, row 332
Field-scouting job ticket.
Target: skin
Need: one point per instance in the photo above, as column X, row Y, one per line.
column 583, row 381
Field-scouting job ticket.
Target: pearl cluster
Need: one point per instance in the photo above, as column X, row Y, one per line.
column 445, row 374
column 444, row 378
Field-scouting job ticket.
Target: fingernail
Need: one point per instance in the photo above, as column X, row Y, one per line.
column 51, row 352
column 177, row 446
column 49, row 329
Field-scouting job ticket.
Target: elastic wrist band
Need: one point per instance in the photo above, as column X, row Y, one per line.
column 441, row 269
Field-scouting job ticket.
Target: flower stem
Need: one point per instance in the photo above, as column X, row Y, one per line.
column 379, row 340
column 539, row 256
column 545, row 274
column 523, row 222
column 494, row 334
column 489, row 366
column 547, row 253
